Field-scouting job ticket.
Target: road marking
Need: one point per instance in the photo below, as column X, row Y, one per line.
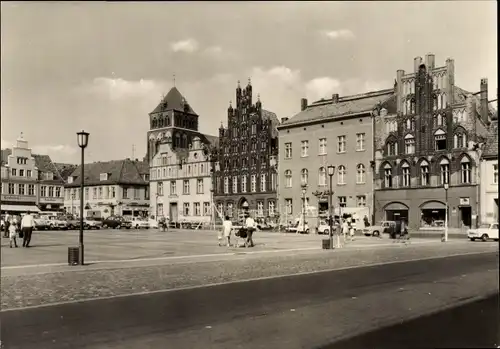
column 178, row 289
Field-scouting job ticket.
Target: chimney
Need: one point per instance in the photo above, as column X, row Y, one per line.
column 303, row 104
column 335, row 98
column 430, row 61
column 416, row 64
column 484, row 99
column 285, row 119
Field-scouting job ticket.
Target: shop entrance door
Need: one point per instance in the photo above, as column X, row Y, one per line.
column 465, row 216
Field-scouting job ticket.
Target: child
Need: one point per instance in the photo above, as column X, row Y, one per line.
column 227, row 226
column 13, row 234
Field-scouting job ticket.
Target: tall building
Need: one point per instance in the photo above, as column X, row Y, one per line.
column 489, row 177
column 117, row 187
column 245, row 173
column 179, row 162
column 338, row 132
column 430, row 140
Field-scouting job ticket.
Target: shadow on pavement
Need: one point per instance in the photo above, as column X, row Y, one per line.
column 473, row 325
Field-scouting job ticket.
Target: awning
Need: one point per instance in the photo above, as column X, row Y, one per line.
column 20, row 208
column 395, row 206
column 433, row 205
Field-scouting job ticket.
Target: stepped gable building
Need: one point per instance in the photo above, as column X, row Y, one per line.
column 245, row 173
column 433, row 138
column 179, row 158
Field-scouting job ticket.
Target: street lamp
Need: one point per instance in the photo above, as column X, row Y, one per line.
column 83, row 140
column 331, row 172
column 304, row 189
column 446, row 187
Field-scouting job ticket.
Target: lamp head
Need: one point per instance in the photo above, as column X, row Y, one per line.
column 446, row 186
column 331, row 170
column 83, row 139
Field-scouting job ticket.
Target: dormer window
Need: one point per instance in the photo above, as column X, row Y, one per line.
column 103, row 176
column 70, row 179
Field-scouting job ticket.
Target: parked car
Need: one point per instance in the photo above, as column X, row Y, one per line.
column 140, row 223
column 92, row 223
column 57, row 223
column 485, row 232
column 153, row 223
column 377, row 229
column 41, row 223
column 324, row 227
column 116, row 222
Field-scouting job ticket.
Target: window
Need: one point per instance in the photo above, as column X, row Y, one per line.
column 409, row 144
column 235, row 184
column 100, row 192
column 86, row 193
column 392, row 148
column 444, row 167
column 360, row 174
column 14, row 172
column 51, row 191
column 260, row 208
column 304, row 176
column 21, row 173
column 288, row 179
column 440, row 140
column 406, row 174
column 21, row 189
column 58, row 192
column 465, row 171
column 387, row 176
column 11, row 188
column 460, row 140
column 137, row 193
column 186, row 207
column 197, row 209
column 185, row 187
column 103, row 177
column 342, row 201
column 206, row 208
column 341, row 175
column 271, row 209
column 113, row 193
column 495, row 173
column 43, row 190
column 244, row 184
column 322, row 146
column 31, row 189
column 125, row 193
column 253, row 183
column 288, row 206
column 341, row 144
column 199, row 186
column 159, row 209
column 226, row 185
column 263, row 182
column 106, row 193
column 304, row 148
column 28, row 173
column 322, row 176
column 360, row 141
column 288, row 150
column 361, row 200
column 159, row 187
column 424, row 173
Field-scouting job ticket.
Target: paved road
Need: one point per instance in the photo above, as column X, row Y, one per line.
column 303, row 311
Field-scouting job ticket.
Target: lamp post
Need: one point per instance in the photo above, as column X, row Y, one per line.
column 83, row 139
column 304, row 189
column 331, row 172
column 446, row 187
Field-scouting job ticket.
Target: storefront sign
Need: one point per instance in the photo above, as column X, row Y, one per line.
column 465, row 201
column 18, row 198
column 56, row 200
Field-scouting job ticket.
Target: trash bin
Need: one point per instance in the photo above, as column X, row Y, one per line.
column 326, row 244
column 73, row 256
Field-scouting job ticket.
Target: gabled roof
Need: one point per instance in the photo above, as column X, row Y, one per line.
column 174, row 100
column 461, row 96
column 212, row 140
column 119, row 172
column 491, row 147
column 348, row 105
column 269, row 115
column 45, row 165
column 142, row 167
column 65, row 170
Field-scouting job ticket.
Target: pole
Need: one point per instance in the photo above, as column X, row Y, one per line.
column 330, row 206
column 303, row 212
column 446, row 217
column 80, row 244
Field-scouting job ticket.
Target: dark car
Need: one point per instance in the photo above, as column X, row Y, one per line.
column 116, row 222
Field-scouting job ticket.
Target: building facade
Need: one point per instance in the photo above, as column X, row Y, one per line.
column 245, row 174
column 110, row 188
column 432, row 137
column 489, row 177
column 338, row 132
column 180, row 162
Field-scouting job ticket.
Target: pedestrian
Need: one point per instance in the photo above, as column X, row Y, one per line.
column 27, row 224
column 12, row 235
column 250, row 225
column 227, row 226
column 8, row 222
column 365, row 220
column 345, row 228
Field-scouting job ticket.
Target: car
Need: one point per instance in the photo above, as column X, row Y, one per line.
column 140, row 223
column 92, row 223
column 57, row 223
column 485, row 232
column 324, row 227
column 41, row 222
column 377, row 229
column 116, row 222
column 153, row 223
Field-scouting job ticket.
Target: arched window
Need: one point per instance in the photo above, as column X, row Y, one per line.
column 455, row 141
column 322, row 176
column 409, row 144
column 288, row 178
column 164, row 172
column 360, row 174
column 424, row 173
column 405, row 172
column 392, row 148
column 443, row 100
column 304, row 176
column 439, row 101
column 170, row 171
column 408, row 124
column 440, row 139
column 387, row 176
column 444, row 169
column 341, row 175
column 465, row 170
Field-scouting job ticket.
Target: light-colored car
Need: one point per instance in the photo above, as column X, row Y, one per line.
column 378, row 229
column 41, row 222
column 324, row 227
column 90, row 223
column 153, row 223
column 140, row 223
column 56, row 223
column 485, row 232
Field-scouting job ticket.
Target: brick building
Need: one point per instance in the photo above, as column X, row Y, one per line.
column 245, row 173
column 431, row 136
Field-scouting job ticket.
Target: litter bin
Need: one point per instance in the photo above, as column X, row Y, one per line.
column 326, row 244
column 73, row 256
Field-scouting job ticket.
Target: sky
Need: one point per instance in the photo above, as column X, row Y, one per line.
column 102, row 67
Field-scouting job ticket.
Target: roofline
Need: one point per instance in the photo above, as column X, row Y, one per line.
column 490, row 156
column 324, row 119
column 356, row 96
column 94, row 184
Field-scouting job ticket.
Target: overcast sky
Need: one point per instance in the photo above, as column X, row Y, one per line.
column 103, row 67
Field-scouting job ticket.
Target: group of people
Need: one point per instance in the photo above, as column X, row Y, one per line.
column 246, row 232
column 14, row 229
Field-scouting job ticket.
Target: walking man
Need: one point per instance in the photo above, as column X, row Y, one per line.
column 250, row 225
column 27, row 224
column 7, row 222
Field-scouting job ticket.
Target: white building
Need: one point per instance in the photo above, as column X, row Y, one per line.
column 489, row 177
